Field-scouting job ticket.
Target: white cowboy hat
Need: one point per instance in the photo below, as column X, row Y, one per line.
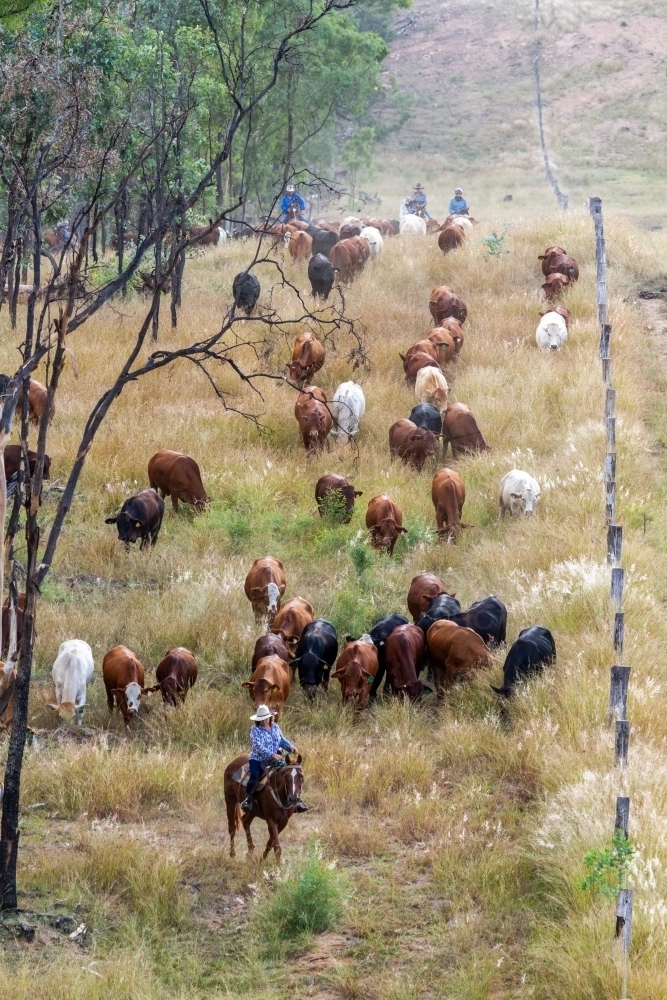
column 458, row 191
column 262, row 714
column 290, row 187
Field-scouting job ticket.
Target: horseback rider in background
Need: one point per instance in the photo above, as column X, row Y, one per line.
column 292, row 205
column 417, row 203
column 458, row 205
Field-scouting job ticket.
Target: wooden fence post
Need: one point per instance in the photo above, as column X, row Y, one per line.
column 618, row 694
column 624, row 930
column 617, row 578
column 610, row 403
column 606, row 371
column 621, row 743
column 614, row 543
column 611, row 433
column 610, row 503
column 610, row 466
column 605, row 340
column 619, row 630
column 622, row 823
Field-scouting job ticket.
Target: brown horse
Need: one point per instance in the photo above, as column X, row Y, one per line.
column 275, row 803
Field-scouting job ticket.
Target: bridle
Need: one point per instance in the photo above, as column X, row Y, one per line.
column 293, row 798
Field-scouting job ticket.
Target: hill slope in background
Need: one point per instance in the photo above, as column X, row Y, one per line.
column 468, row 68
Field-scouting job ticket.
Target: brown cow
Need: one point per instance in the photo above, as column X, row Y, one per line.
column 12, row 459
column 411, row 443
column 264, row 587
column 291, row 620
column 269, row 645
column 307, row 357
column 334, row 495
column 313, row 416
column 562, row 311
column 444, row 302
column 451, row 237
column 7, row 685
column 448, row 494
column 269, row 684
column 404, row 655
column 413, row 365
column 333, row 227
column 207, row 236
column 432, row 225
column 350, row 229
column 563, row 264
column 459, row 428
column 123, row 677
column 364, row 248
column 300, row 246
column 443, row 340
column 549, row 252
column 175, row 675
column 20, row 610
column 384, row 520
column 177, row 476
column 455, row 329
column 454, row 650
column 421, row 347
column 356, row 669
column 345, row 257
column 37, row 398
column 423, row 589
column 554, row 285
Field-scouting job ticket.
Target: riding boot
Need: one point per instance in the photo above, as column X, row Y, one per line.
column 301, row 806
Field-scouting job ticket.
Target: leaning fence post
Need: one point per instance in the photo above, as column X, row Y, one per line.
column 617, row 577
column 614, row 543
column 619, row 630
column 618, row 694
column 621, row 743
column 622, row 823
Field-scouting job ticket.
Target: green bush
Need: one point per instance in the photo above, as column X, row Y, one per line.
column 308, row 898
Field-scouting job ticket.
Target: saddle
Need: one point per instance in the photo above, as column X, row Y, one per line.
column 243, row 774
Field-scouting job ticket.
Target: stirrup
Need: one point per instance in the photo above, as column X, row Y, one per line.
column 301, row 807
column 247, row 804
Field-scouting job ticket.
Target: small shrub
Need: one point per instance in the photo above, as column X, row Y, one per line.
column 607, row 868
column 333, row 506
column 362, row 558
column 494, row 244
column 307, row 899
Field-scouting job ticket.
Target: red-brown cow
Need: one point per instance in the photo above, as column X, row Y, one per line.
column 421, row 347
column 443, row 340
column 12, row 461
column 451, row 237
column 562, row 263
column 207, row 236
column 562, row 311
column 448, row 494
column 453, row 651
column 269, row 684
column 459, row 428
column 175, row 675
column 300, row 246
column 37, row 399
column 412, row 444
column 264, row 587
column 404, row 655
column 444, row 303
column 350, row 229
column 334, row 495
column 384, row 520
column 423, row 589
column 356, row 669
column 455, row 329
column 414, row 364
column 291, row 620
column 554, row 285
column 269, row 645
column 307, row 357
column 123, row 677
column 345, row 257
column 549, row 252
column 313, row 416
column 177, row 476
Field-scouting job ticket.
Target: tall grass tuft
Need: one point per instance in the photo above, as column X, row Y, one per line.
column 307, row 898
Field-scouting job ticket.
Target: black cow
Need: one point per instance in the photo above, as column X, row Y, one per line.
column 379, row 634
column 488, row 618
column 245, row 289
column 427, row 415
column 321, row 276
column 397, row 226
column 323, row 240
column 534, row 648
column 12, row 458
column 442, row 606
column 140, row 517
column 315, row 655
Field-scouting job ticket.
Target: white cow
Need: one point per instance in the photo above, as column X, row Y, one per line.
column 431, row 387
column 462, row 220
column 72, row 670
column 519, row 493
column 375, row 240
column 413, row 225
column 222, row 236
column 347, row 409
column 351, row 220
column 551, row 333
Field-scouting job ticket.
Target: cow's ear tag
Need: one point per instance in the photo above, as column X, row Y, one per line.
column 370, row 679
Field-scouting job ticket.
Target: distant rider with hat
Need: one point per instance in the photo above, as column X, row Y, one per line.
column 291, row 197
column 418, row 201
column 458, row 205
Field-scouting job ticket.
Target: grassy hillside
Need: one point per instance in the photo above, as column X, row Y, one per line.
column 457, row 829
column 468, row 68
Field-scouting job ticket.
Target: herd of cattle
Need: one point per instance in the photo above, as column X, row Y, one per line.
column 442, row 638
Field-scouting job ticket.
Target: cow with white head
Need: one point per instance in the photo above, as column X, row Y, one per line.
column 519, row 493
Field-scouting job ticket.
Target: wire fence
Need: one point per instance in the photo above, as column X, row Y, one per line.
column 551, row 177
column 619, row 674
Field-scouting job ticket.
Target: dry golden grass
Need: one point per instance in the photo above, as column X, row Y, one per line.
column 462, row 825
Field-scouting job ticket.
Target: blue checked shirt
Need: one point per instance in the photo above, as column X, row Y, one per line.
column 267, row 742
